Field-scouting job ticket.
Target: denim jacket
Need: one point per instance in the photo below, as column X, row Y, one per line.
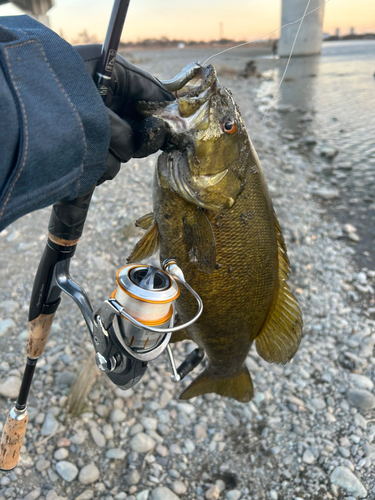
column 54, row 128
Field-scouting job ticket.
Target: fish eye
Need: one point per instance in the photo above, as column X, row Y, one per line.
column 229, row 126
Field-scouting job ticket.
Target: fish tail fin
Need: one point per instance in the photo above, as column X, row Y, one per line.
column 238, row 386
column 280, row 336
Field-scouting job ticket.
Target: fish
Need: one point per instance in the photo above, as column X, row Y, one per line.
column 213, row 213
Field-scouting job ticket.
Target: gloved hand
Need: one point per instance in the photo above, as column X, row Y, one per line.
column 132, row 136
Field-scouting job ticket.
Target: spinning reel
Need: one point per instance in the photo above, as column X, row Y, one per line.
column 135, row 324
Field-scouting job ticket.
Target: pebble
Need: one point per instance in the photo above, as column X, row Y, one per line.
column 10, row 387
column 11, row 306
column 52, row 495
column 361, row 399
column 132, row 477
column 150, row 424
column 179, row 487
column 61, row 454
column 6, row 327
column 344, row 478
column 116, row 453
column 89, row 474
column 165, row 397
column 327, row 194
column 163, row 493
column 49, row 426
column 233, row 495
column 86, row 495
column 143, row 495
column 118, row 415
column 98, row 438
column 42, row 464
column 308, row 457
column 142, row 443
column 361, row 381
column 65, row 378
column 67, row 470
column 33, row 495
column 213, row 492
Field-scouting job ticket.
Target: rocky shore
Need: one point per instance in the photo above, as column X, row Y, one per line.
column 309, row 432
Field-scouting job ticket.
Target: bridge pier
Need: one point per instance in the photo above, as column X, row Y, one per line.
column 309, row 41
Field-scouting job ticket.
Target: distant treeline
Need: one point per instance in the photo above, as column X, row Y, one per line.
column 365, row 36
column 165, row 42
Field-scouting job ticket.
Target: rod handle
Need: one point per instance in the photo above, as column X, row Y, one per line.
column 12, row 439
column 39, row 329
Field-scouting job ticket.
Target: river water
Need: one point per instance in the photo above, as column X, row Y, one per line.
column 330, row 99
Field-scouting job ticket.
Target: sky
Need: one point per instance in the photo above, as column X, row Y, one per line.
column 197, row 19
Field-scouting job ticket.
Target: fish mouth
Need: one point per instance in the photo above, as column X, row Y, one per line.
column 191, row 187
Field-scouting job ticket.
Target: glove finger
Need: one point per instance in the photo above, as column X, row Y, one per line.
column 149, row 136
column 122, row 137
column 113, row 167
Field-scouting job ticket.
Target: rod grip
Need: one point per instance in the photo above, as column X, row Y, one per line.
column 39, row 329
column 12, row 439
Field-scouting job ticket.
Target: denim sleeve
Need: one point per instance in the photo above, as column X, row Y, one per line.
column 54, row 127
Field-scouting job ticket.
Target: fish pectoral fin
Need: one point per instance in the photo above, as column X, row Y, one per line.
column 280, row 336
column 238, row 386
column 147, row 245
column 200, row 241
column 145, row 221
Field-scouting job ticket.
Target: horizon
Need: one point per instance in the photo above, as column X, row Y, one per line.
column 248, row 20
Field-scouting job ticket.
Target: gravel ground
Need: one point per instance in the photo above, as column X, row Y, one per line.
column 308, row 434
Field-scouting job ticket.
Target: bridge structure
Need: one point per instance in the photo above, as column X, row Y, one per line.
column 35, row 8
column 309, row 41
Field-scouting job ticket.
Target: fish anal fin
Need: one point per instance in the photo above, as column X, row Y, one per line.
column 280, row 336
column 145, row 221
column 147, row 245
column 200, row 241
column 237, row 386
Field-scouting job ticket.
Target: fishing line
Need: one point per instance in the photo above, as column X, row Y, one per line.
column 287, row 64
column 268, row 34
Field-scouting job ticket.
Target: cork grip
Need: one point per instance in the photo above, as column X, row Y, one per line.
column 11, row 440
column 38, row 334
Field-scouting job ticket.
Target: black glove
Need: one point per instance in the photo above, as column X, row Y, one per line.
column 131, row 134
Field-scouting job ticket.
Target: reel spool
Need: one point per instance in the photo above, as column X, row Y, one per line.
column 147, row 294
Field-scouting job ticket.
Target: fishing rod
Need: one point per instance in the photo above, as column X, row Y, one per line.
column 128, row 330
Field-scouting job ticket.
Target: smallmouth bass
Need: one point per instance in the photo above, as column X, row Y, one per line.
column 213, row 213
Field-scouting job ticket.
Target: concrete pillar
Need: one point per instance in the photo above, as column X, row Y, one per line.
column 36, row 8
column 309, row 39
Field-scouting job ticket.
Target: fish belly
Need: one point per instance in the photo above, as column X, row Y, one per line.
column 238, row 295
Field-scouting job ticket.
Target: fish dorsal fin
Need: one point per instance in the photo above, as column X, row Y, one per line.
column 145, row 221
column 200, row 241
column 280, row 336
column 147, row 245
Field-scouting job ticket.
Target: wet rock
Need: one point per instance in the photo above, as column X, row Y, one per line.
column 344, row 478
column 89, row 474
column 10, row 387
column 67, row 470
column 49, row 426
column 361, row 399
column 163, row 493
column 328, row 152
column 142, row 443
